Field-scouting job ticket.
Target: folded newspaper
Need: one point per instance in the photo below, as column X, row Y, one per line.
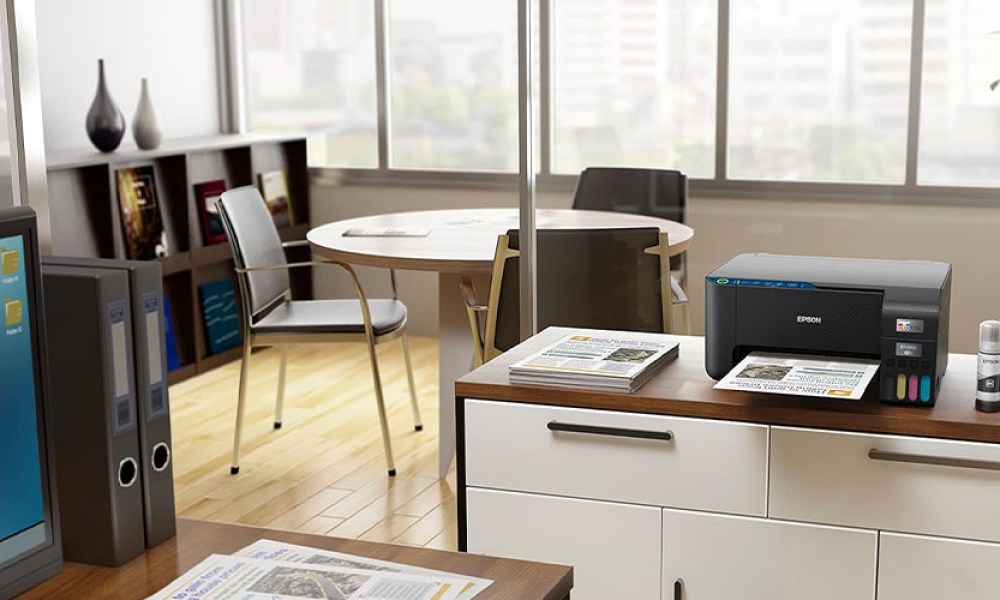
column 611, row 360
column 821, row 376
column 278, row 571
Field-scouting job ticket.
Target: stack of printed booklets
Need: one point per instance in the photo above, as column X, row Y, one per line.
column 607, row 360
column 276, row 570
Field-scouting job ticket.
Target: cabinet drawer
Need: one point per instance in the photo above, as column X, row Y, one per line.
column 912, row 485
column 614, row 549
column 705, row 465
column 716, row 557
column 922, row 568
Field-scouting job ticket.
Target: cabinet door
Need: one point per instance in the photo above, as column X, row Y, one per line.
column 914, row 567
column 614, row 549
column 716, row 557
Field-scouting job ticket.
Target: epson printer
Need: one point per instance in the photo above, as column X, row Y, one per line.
column 893, row 311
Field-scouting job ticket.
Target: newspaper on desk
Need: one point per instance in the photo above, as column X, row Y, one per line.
column 615, row 360
column 824, row 377
column 221, row 577
column 271, row 550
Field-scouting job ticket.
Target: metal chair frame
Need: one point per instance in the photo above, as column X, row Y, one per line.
column 253, row 340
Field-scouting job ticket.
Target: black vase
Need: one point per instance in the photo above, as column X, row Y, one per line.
column 105, row 121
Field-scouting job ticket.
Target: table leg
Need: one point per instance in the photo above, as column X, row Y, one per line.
column 455, row 356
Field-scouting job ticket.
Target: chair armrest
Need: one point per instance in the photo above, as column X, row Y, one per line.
column 678, row 292
column 294, row 265
column 365, row 310
column 472, row 308
column 295, row 244
column 469, row 295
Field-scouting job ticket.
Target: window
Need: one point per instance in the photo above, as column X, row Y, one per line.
column 815, row 91
column 960, row 116
column 634, row 84
column 819, row 91
column 453, row 85
column 310, row 68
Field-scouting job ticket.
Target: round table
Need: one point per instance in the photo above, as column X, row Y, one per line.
column 460, row 244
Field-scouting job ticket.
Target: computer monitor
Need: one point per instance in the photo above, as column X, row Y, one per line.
column 29, row 528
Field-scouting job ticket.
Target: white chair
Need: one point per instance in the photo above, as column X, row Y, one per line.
column 272, row 318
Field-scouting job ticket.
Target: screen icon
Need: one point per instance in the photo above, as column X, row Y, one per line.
column 13, row 312
column 9, row 261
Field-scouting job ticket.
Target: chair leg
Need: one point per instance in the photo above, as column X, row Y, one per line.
column 281, row 388
column 380, row 403
column 241, row 408
column 418, row 425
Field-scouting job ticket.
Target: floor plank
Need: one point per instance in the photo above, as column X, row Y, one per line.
column 324, row 471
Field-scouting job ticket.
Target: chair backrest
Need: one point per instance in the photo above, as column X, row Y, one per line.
column 597, row 278
column 654, row 192
column 255, row 243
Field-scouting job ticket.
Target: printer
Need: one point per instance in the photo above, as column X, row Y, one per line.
column 890, row 310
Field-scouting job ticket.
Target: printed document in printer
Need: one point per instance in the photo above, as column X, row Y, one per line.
column 823, row 377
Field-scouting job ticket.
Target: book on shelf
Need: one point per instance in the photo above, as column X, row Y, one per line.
column 274, row 188
column 597, row 359
column 207, row 195
column 173, row 356
column 218, row 311
column 142, row 223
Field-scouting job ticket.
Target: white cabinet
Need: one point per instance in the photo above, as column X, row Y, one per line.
column 705, row 465
column 735, row 511
column 614, row 549
column 922, row 568
column 718, row 557
column 913, row 485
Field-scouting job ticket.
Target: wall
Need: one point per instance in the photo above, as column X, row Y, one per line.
column 964, row 236
column 171, row 42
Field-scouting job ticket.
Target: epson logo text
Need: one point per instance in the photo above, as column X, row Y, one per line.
column 810, row 320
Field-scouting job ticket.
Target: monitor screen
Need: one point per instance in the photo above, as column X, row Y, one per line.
column 29, row 520
column 22, row 513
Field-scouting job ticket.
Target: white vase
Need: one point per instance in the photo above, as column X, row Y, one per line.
column 145, row 126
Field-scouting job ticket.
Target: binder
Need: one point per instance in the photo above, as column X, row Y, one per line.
column 156, row 465
column 89, row 335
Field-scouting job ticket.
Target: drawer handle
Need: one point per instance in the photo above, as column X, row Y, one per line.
column 940, row 461
column 679, row 589
column 641, row 434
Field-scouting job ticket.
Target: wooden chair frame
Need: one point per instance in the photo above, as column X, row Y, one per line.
column 484, row 343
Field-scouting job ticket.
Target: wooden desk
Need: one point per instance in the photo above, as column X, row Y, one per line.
column 513, row 579
column 461, row 244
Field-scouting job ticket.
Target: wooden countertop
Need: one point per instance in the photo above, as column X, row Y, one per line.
column 196, row 540
column 684, row 389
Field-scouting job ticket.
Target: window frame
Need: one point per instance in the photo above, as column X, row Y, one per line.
column 232, row 92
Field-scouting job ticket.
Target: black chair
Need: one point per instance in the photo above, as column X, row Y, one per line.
column 653, row 192
column 272, row 318
column 593, row 278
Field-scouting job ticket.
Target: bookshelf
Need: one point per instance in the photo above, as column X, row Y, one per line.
column 85, row 219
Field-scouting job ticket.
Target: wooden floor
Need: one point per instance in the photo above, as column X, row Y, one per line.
column 324, row 471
